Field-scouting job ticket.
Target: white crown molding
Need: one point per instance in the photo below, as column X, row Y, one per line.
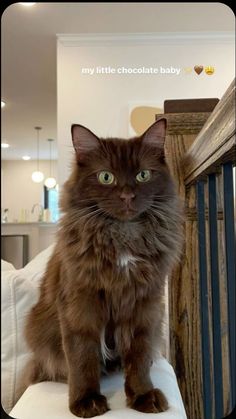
column 161, row 38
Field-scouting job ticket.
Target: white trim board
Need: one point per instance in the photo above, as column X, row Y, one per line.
column 161, row 38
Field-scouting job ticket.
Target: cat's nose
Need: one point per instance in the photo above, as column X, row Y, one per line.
column 127, row 196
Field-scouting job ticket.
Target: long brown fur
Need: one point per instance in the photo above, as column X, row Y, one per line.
column 116, row 245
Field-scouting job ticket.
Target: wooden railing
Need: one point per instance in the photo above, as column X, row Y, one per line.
column 200, row 148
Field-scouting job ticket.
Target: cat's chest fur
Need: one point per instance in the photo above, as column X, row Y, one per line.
column 123, row 245
column 126, row 260
column 121, row 253
column 113, row 256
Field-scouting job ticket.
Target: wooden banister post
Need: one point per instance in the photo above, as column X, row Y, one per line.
column 184, row 319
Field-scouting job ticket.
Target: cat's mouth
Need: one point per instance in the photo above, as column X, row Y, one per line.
column 127, row 213
column 122, row 212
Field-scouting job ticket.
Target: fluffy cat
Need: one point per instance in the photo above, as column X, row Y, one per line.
column 101, row 299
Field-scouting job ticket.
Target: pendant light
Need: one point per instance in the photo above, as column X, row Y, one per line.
column 50, row 182
column 37, row 176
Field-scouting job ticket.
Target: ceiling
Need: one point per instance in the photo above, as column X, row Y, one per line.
column 29, row 54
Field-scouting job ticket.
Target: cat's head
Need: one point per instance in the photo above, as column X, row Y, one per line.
column 120, row 178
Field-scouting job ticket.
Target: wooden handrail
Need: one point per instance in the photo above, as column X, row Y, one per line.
column 215, row 144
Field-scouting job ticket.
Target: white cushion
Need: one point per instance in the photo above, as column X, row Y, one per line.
column 50, row 400
column 35, row 269
column 6, row 266
column 19, row 294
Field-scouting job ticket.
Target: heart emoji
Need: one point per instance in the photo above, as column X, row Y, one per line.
column 198, row 69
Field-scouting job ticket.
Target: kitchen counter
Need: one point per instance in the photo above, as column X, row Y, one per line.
column 40, row 234
column 37, row 223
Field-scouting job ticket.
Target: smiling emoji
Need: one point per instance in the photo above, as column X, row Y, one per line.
column 209, row 70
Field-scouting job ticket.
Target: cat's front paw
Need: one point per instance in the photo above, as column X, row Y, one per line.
column 92, row 405
column 153, row 401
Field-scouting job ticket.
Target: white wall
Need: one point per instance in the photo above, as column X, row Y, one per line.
column 102, row 101
column 18, row 190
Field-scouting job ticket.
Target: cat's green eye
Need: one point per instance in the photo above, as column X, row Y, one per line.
column 106, row 178
column 143, row 176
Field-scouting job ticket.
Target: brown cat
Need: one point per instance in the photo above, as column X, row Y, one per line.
column 102, row 294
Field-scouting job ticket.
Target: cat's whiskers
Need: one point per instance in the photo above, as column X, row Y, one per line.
column 87, row 218
column 163, row 216
column 78, row 216
column 165, row 210
column 90, row 214
column 156, row 211
column 162, row 212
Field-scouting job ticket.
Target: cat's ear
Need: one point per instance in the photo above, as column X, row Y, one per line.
column 155, row 134
column 83, row 140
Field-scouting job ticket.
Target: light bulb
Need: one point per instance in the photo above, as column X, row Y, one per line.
column 50, row 182
column 5, row 145
column 37, row 176
column 26, row 157
column 27, row 4
column 3, row 104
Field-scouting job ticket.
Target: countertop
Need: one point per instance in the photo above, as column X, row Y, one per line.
column 40, row 234
column 30, row 223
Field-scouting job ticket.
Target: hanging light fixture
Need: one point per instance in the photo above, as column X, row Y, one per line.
column 50, row 182
column 37, row 176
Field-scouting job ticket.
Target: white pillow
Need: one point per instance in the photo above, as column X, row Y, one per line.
column 6, row 266
column 18, row 296
column 35, row 269
column 19, row 293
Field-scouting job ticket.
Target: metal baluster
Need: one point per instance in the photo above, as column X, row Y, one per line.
column 230, row 267
column 207, row 395
column 215, row 292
